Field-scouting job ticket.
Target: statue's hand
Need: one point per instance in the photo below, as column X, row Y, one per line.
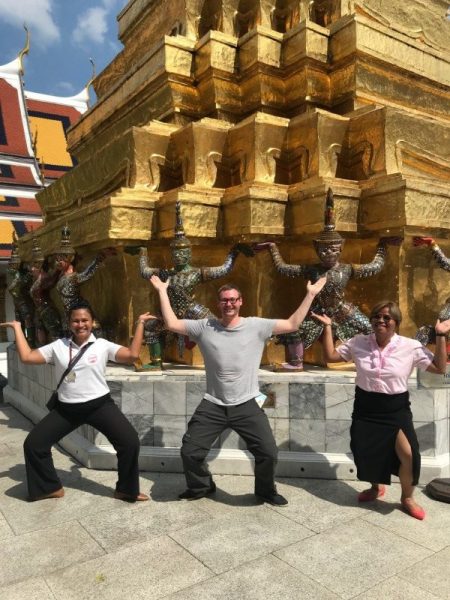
column 133, row 250
column 260, row 246
column 245, row 249
column 107, row 252
column 423, row 241
column 392, row 240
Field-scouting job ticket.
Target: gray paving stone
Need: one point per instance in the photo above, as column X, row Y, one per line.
column 42, row 552
column 116, row 529
column 433, row 532
column 145, row 571
column 320, row 504
column 34, row 588
column 396, row 589
column 5, row 530
column 225, row 542
column 195, row 391
column 353, row 557
column 431, row 575
column 267, row 578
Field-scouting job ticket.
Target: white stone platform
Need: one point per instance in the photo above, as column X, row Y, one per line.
column 310, row 415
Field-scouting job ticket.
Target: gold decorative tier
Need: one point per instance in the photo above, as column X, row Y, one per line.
column 246, row 111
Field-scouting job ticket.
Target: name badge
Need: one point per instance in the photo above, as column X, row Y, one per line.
column 70, row 378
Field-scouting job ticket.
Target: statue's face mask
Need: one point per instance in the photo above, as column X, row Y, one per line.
column 181, row 256
column 328, row 253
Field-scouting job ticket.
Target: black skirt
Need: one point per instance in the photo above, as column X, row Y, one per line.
column 376, row 421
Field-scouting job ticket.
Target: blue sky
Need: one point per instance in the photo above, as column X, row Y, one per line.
column 64, row 35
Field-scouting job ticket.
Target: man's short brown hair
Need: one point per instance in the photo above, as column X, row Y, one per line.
column 227, row 287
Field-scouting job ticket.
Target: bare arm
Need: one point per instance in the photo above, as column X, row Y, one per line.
column 26, row 354
column 173, row 323
column 330, row 353
column 130, row 354
column 297, row 318
column 439, row 363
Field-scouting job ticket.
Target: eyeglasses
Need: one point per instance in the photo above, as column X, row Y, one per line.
column 385, row 318
column 229, row 300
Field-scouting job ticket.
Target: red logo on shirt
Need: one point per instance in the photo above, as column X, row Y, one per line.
column 92, row 359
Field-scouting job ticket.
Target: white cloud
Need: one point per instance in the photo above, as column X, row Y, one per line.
column 65, row 87
column 36, row 14
column 91, row 26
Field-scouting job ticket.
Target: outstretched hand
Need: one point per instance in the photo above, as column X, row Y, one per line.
column 146, row 317
column 316, row 287
column 158, row 284
column 245, row 249
column 442, row 326
column 422, row 241
column 12, row 324
column 324, row 319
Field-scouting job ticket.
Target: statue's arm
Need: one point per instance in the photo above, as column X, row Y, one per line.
column 146, row 271
column 436, row 251
column 377, row 264
column 222, row 270
column 83, row 276
column 284, row 268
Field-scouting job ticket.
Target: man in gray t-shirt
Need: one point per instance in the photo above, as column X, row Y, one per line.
column 232, row 347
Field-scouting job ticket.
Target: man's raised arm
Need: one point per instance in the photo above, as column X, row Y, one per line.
column 173, row 323
column 297, row 318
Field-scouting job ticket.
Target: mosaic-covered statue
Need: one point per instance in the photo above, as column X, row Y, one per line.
column 70, row 280
column 19, row 285
column 426, row 334
column 183, row 280
column 47, row 320
column 347, row 319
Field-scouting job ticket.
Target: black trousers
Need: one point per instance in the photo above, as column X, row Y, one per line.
column 102, row 414
column 208, row 422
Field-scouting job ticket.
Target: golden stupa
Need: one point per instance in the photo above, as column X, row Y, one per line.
column 247, row 111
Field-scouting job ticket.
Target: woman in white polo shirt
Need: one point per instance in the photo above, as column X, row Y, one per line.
column 83, row 398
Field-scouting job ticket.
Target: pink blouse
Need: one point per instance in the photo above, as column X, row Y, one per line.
column 385, row 370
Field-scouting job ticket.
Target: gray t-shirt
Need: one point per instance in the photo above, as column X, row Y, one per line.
column 232, row 356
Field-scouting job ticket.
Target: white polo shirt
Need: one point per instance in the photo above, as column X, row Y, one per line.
column 86, row 381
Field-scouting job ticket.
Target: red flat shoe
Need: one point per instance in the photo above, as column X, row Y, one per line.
column 371, row 494
column 139, row 498
column 416, row 511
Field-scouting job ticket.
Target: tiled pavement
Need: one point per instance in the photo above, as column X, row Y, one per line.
column 322, row 546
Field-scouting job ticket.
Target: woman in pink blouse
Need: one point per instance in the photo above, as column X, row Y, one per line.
column 383, row 440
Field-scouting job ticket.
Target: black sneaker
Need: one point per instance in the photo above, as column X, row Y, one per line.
column 196, row 495
column 274, row 499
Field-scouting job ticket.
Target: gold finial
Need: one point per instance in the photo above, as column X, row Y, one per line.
column 91, row 80
column 25, row 50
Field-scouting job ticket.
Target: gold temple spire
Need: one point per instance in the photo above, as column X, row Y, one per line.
column 91, row 80
column 25, row 49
